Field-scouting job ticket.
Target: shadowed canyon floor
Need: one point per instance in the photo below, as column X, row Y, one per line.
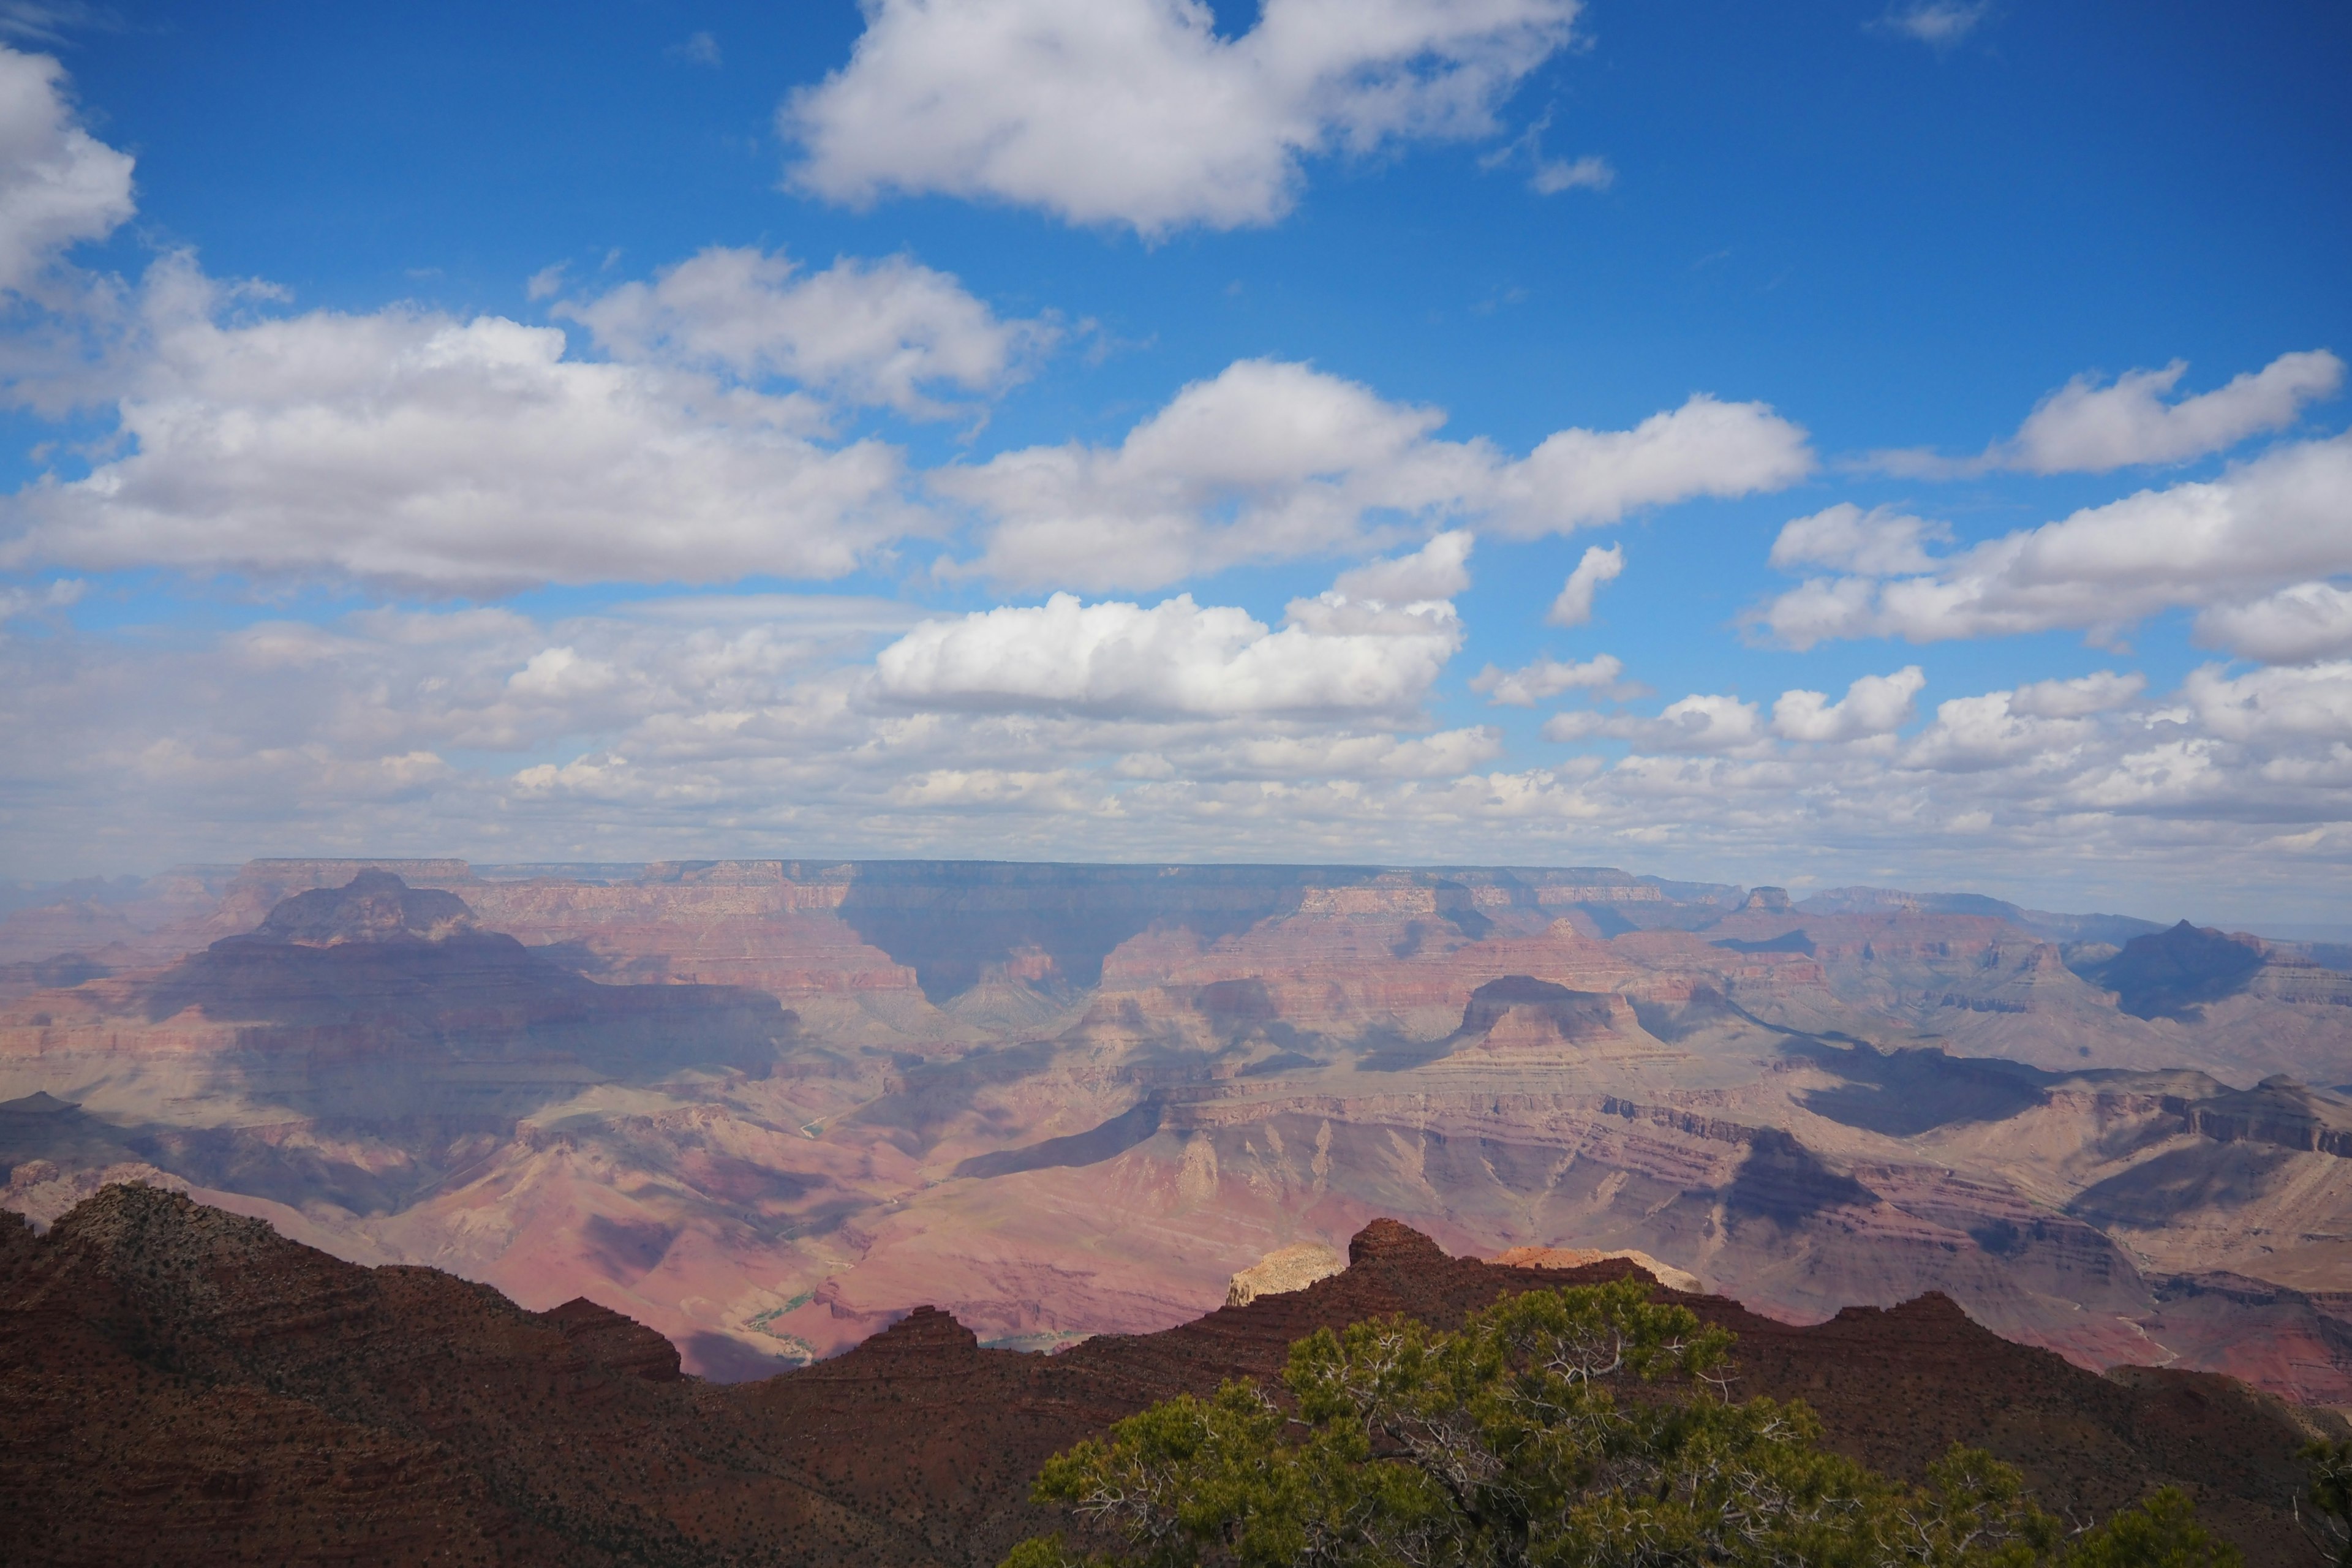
column 178, row 1383
column 767, row 1107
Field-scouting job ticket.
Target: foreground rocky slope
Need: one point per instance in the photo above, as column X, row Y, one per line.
column 177, row 1383
column 764, row 1107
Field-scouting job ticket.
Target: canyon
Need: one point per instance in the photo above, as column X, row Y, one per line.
column 767, row 1108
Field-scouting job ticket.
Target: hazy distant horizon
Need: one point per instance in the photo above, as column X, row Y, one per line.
column 30, row 893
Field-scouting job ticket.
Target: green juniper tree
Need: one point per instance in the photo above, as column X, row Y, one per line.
column 2330, row 1498
column 1581, row 1427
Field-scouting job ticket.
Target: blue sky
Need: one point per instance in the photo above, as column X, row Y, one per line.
column 880, row 329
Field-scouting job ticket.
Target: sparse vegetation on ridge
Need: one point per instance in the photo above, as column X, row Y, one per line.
column 1583, row 1426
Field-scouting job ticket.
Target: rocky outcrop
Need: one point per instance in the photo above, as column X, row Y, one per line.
column 378, row 1002
column 2175, row 973
column 1666, row 1274
column 2278, row 1111
column 1286, row 1269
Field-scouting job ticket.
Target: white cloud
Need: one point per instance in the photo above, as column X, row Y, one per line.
column 413, row 448
column 2078, row 697
column 2313, row 701
column 1971, row 735
column 26, row 601
column 1550, row 176
column 1137, row 112
column 561, row 674
column 2280, row 518
column 2298, row 624
column 1266, row 461
column 1175, row 659
column 2085, row 427
column 2091, row 426
column 1695, row 723
column 1438, row 569
column 1873, row 706
column 878, row 333
column 1590, row 172
column 1573, row 607
column 1271, row 460
column 59, row 186
column 1703, row 448
column 1880, row 543
column 1940, row 23
column 1547, row 677
column 762, row 727
column 1444, row 755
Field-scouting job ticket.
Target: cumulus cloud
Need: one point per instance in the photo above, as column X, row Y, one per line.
column 1547, row 677
column 2308, row 621
column 1573, row 607
column 1872, row 710
column 17, row 601
column 1137, row 112
column 2085, row 427
column 758, row 724
column 1972, row 734
column 1873, row 706
column 1438, row 569
column 1176, row 658
column 886, row 332
column 1320, row 755
column 59, row 186
column 2283, row 517
column 2078, row 697
column 413, row 448
column 1880, row 543
column 2090, row 426
column 1704, row 448
column 1271, row 460
column 1695, row 723
column 2312, row 702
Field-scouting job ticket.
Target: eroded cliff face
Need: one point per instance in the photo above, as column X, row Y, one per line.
column 767, row 1106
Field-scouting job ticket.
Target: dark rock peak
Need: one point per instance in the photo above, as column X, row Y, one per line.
column 1514, row 989
column 1767, row 899
column 1782, row 1180
column 373, row 906
column 2173, row 973
column 1393, row 1243
column 926, row 1330
column 1575, row 1013
column 1786, row 941
column 1934, row 1308
column 610, row 1339
column 2278, row 1111
column 40, row 1102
